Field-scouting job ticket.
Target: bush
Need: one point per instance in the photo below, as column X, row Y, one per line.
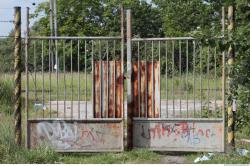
column 241, row 68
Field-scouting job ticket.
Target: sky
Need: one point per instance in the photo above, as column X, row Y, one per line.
column 7, row 13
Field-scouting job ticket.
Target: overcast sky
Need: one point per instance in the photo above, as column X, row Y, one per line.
column 7, row 13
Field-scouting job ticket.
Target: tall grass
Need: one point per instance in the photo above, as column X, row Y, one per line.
column 6, row 95
column 12, row 153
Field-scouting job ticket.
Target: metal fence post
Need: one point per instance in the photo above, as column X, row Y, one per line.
column 17, row 67
column 129, row 86
column 27, row 76
column 231, row 59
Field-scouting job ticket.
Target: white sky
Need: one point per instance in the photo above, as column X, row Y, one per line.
column 7, row 13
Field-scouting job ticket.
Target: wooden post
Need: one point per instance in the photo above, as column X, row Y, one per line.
column 231, row 59
column 129, row 84
column 17, row 67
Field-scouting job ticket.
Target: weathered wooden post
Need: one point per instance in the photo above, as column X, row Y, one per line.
column 17, row 68
column 231, row 59
column 129, row 86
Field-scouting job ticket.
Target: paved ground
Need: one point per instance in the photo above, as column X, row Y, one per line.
column 168, row 109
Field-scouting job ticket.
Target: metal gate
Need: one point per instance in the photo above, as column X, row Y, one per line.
column 175, row 94
column 74, row 93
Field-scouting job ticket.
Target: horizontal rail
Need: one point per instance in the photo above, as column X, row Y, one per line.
column 164, row 38
column 98, row 120
column 171, row 38
column 76, row 37
column 177, row 119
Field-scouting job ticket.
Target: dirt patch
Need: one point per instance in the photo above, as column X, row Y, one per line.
column 174, row 158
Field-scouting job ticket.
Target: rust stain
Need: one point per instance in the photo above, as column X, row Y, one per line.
column 149, row 84
column 97, row 91
column 119, row 90
column 111, row 109
column 112, row 92
column 105, row 92
column 150, row 89
column 135, row 89
column 143, row 87
column 157, row 95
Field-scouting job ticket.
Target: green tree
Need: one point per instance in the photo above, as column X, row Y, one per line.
column 182, row 17
column 99, row 18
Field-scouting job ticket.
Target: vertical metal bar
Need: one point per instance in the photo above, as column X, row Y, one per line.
column 187, row 61
column 64, row 79
column 71, row 72
column 129, row 82
column 180, row 74
column 173, row 78
column 26, row 73
column 43, row 78
column 201, row 79
column 153, row 95
column 86, row 81
column 167, row 78
column 208, row 90
column 93, row 80
column 78, row 72
column 160, row 73
column 35, row 68
column 122, row 56
column 107, row 49
column 114, row 78
column 215, row 77
column 194, row 54
column 50, row 78
column 139, row 79
column 223, row 76
column 51, row 34
column 146, row 113
column 101, row 76
column 57, row 81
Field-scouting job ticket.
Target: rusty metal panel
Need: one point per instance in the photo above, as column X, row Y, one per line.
column 97, row 86
column 119, row 90
column 111, row 111
column 108, row 89
column 143, row 89
column 150, row 90
column 135, row 89
column 94, row 135
column 157, row 90
column 105, row 90
column 179, row 135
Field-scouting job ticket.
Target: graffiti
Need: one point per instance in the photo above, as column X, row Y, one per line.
column 188, row 132
column 62, row 135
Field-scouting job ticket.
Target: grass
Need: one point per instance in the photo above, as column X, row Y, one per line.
column 180, row 86
column 223, row 158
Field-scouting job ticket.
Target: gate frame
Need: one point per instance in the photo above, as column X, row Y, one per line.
column 29, row 121
column 130, row 117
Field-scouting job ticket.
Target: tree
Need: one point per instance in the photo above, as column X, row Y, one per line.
column 184, row 17
column 99, row 18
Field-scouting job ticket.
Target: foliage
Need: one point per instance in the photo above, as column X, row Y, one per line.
column 182, row 18
column 241, row 68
